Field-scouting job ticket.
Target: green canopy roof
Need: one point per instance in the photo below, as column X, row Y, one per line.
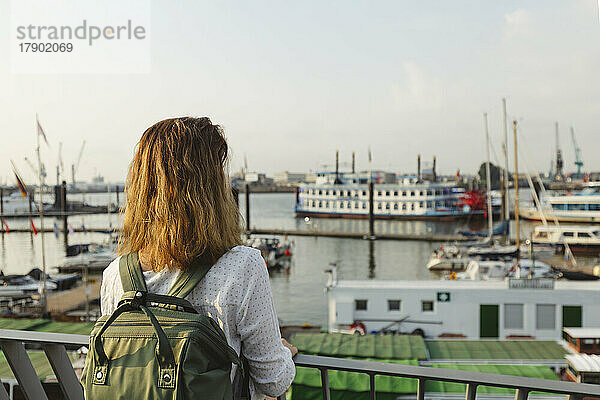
column 494, row 350
column 46, row 325
column 392, row 347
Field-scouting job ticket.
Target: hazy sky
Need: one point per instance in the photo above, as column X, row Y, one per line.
column 291, row 82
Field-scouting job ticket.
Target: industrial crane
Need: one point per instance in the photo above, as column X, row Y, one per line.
column 578, row 160
column 75, row 167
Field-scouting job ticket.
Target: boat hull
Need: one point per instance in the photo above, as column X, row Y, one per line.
column 534, row 215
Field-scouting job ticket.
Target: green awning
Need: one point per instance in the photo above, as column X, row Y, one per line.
column 494, row 350
column 389, row 347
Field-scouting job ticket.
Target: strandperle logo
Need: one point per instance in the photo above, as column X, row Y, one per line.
column 85, row 31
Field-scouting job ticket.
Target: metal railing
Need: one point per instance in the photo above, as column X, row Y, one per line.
column 13, row 344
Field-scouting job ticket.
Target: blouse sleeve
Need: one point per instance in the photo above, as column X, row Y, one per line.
column 271, row 366
column 111, row 289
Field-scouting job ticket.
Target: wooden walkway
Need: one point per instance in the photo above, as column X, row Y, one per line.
column 61, row 302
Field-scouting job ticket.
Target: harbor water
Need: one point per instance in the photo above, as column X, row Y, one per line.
column 300, row 294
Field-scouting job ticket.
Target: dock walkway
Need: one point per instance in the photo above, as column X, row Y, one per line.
column 67, row 300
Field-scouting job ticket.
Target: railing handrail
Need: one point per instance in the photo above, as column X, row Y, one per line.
column 446, row 375
column 13, row 344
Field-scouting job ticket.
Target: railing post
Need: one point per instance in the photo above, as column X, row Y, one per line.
column 471, row 391
column 325, row 384
column 63, row 369
column 421, row 389
column 372, row 386
column 521, row 394
column 21, row 366
column 3, row 393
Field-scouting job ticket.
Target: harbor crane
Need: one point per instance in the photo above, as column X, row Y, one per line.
column 34, row 169
column 578, row 160
column 75, row 167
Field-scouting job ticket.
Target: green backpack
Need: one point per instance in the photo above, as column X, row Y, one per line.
column 157, row 346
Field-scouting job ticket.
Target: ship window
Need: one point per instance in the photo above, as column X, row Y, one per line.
column 594, row 207
column 387, row 193
column 558, row 206
column 360, row 305
column 404, row 207
column 576, row 206
column 513, row 316
column 545, row 316
column 364, row 192
column 412, row 193
column 394, row 305
column 356, row 204
column 568, row 234
column 364, row 205
column 583, row 235
column 395, row 206
column 387, row 206
column 396, row 193
column 427, row 306
column 403, row 193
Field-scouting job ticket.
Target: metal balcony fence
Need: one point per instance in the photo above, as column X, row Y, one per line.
column 55, row 345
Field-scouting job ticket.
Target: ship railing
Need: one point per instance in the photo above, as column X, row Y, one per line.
column 14, row 344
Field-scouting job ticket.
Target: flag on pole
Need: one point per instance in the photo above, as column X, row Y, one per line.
column 33, row 228
column 5, row 226
column 20, row 184
column 71, row 230
column 55, row 229
column 40, row 130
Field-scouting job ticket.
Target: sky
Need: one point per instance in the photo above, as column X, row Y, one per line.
column 292, row 82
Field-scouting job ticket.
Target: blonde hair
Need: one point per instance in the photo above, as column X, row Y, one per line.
column 180, row 209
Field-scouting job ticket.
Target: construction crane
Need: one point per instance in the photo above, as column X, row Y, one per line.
column 75, row 167
column 34, row 169
column 60, row 166
column 578, row 160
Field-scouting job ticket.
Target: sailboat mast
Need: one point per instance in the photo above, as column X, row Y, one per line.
column 488, row 178
column 41, row 208
column 506, row 194
column 516, row 191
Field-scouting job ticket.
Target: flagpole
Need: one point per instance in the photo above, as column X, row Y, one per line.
column 44, row 291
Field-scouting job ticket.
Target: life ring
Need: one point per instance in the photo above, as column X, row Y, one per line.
column 358, row 328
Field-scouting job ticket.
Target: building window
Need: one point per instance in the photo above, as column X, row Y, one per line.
column 403, row 206
column 327, row 193
column 412, row 206
column 412, row 194
column 356, row 204
column 393, row 305
column 421, row 193
column 513, row 316
column 421, row 204
column 387, row 206
column 326, row 204
column 427, row 305
column 429, row 193
column 379, row 193
column 360, row 305
column 320, row 192
column 545, row 317
column 314, row 203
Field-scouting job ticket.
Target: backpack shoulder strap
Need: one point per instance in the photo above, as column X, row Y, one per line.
column 187, row 281
column 130, row 270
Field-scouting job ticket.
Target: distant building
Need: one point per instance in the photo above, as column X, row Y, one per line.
column 257, row 178
column 290, row 177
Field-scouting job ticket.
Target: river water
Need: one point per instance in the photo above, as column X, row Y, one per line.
column 299, row 296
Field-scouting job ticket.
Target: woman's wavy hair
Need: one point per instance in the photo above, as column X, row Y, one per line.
column 180, row 209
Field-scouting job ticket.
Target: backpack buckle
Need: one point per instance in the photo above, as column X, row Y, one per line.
column 138, row 299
